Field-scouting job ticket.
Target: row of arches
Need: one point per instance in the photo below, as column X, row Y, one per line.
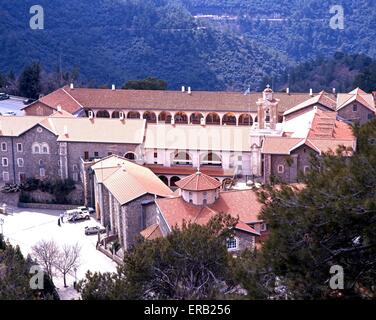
column 212, row 118
column 208, row 159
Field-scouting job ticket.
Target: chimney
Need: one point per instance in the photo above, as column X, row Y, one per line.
column 71, row 86
column 59, row 108
column 65, row 130
column 113, row 87
column 183, row 89
column 311, row 92
column 189, row 90
column 288, row 90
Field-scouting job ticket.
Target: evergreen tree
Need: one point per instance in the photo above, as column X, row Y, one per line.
column 30, row 81
column 149, row 83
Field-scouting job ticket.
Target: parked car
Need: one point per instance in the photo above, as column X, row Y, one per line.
column 89, row 209
column 4, row 96
column 28, row 101
column 9, row 114
column 75, row 214
column 94, row 230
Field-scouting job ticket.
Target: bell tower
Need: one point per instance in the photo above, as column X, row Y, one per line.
column 267, row 110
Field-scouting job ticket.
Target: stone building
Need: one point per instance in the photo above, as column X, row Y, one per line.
column 124, row 197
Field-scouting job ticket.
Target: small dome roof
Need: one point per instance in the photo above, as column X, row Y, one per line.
column 198, row 182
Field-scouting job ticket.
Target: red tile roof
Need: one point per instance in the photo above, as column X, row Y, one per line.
column 242, row 204
column 152, row 232
column 188, row 170
column 198, row 182
column 71, row 100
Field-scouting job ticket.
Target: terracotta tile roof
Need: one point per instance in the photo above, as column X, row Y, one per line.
column 198, row 182
column 242, row 204
column 322, row 98
column 367, row 100
column 72, row 99
column 326, row 133
column 152, row 232
column 129, row 180
column 193, row 137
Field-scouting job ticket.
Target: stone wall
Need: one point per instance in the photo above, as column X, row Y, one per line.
column 360, row 116
column 46, row 206
column 10, row 199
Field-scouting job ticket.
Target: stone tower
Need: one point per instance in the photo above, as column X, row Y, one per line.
column 267, row 110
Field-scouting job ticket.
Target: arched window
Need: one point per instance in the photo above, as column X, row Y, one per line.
column 115, row 115
column 245, row 120
column 229, row 119
column 130, row 156
column 36, row 148
column 182, row 158
column 164, row 180
column 164, row 117
column 45, row 148
column 103, row 114
column 196, row 118
column 267, row 116
column 211, row 159
column 181, row 117
column 150, row 117
column 133, row 115
column 213, row 118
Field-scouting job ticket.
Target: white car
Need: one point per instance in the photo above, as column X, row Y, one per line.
column 89, row 209
column 76, row 214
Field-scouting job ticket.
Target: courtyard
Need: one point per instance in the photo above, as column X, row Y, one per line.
column 26, row 227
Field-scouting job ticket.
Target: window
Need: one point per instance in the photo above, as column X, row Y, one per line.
column 42, row 172
column 5, row 176
column 110, row 153
column 155, row 154
column 306, row 169
column 281, row 168
column 20, row 162
column 41, row 162
column 232, row 243
column 263, row 227
column 190, row 197
column 36, row 148
column 4, row 162
column 45, row 148
column 371, row 116
column 75, row 176
column 86, row 155
column 96, row 154
column 22, row 177
column 355, row 107
column 19, row 147
column 4, row 146
column 75, row 167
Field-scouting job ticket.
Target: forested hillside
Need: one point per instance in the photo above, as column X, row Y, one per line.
column 112, row 41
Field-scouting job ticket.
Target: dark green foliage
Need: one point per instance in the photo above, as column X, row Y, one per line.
column 191, row 263
column 114, row 41
column 331, row 222
column 30, row 81
column 149, row 83
column 15, row 276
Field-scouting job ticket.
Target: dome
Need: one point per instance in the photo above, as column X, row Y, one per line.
column 198, row 182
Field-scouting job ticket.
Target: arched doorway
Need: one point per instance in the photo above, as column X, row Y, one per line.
column 211, row 159
column 133, row 115
column 173, row 181
column 115, row 115
column 164, row 179
column 164, row 117
column 196, row 117
column 150, row 117
column 229, row 119
column 213, row 118
column 245, row 120
column 103, row 114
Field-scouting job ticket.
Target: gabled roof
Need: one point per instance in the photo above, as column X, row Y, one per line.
column 242, row 204
column 365, row 99
column 127, row 181
column 322, row 98
column 198, row 182
column 15, row 126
